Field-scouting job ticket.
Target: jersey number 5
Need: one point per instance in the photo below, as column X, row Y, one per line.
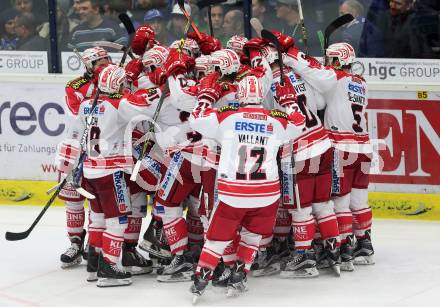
column 255, row 173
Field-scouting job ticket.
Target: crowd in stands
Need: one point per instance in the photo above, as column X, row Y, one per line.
column 381, row 28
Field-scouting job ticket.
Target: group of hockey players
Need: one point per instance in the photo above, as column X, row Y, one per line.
column 267, row 186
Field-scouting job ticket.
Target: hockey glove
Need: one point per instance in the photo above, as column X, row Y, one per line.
column 143, row 39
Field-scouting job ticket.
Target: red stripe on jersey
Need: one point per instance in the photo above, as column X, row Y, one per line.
column 310, row 138
column 109, row 163
column 348, row 137
column 249, row 189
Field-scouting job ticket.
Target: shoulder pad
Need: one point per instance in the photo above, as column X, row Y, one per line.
column 115, row 96
column 77, row 83
column 278, row 113
column 226, row 109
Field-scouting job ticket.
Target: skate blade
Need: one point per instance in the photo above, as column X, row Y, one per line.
column 196, row 298
column 178, row 277
column 72, row 264
column 137, row 270
column 267, row 271
column 303, row 273
column 161, row 253
column 93, row 276
column 364, row 260
column 113, row 282
column 347, row 266
column 234, row 292
column 336, row 269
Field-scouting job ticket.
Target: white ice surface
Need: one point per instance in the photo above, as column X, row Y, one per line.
column 406, row 273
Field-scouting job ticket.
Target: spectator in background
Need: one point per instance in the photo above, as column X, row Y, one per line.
column 73, row 12
column 178, row 23
column 155, row 19
column 26, row 29
column 351, row 33
column 8, row 37
column 142, row 6
column 95, row 27
column 65, row 25
column 287, row 11
column 372, row 40
column 401, row 36
column 233, row 23
column 217, row 17
column 38, row 8
column 266, row 13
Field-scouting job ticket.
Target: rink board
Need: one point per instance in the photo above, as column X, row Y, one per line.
column 407, row 206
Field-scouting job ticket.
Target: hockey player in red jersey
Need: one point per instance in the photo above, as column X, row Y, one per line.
column 346, row 101
column 107, row 165
column 76, row 91
column 248, row 182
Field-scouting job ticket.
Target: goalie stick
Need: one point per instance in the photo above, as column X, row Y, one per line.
column 274, row 40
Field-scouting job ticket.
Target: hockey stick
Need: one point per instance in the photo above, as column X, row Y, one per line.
column 333, row 26
column 208, row 3
column 303, row 27
column 137, row 166
column 15, row 236
column 113, row 45
column 274, row 40
column 128, row 24
column 181, row 4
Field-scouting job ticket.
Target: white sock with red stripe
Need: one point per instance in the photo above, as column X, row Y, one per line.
column 326, row 219
column 75, row 218
column 344, row 216
column 303, row 224
column 133, row 230
column 248, row 247
column 176, row 234
column 362, row 214
column 283, row 223
column 211, row 253
column 113, row 238
column 96, row 228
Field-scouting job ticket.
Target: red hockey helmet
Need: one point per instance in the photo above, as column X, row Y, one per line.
column 111, row 78
column 250, row 90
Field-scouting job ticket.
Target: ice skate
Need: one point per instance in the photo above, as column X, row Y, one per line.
column 364, row 253
column 73, row 255
column 221, row 275
column 237, row 283
column 92, row 264
column 333, row 255
column 134, row 262
column 110, row 275
column 320, row 254
column 180, row 269
column 266, row 263
column 300, row 265
column 347, row 254
column 154, row 241
column 200, row 283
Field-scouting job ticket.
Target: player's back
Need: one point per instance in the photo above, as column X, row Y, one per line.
column 250, row 139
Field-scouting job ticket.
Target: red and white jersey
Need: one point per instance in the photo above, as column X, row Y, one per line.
column 250, row 139
column 76, row 91
column 345, row 96
column 109, row 143
column 314, row 139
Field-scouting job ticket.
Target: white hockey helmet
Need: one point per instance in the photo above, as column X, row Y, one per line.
column 203, row 66
column 236, row 43
column 344, row 52
column 111, row 78
column 226, row 60
column 270, row 53
column 250, row 90
column 91, row 55
column 155, row 57
column 190, row 47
